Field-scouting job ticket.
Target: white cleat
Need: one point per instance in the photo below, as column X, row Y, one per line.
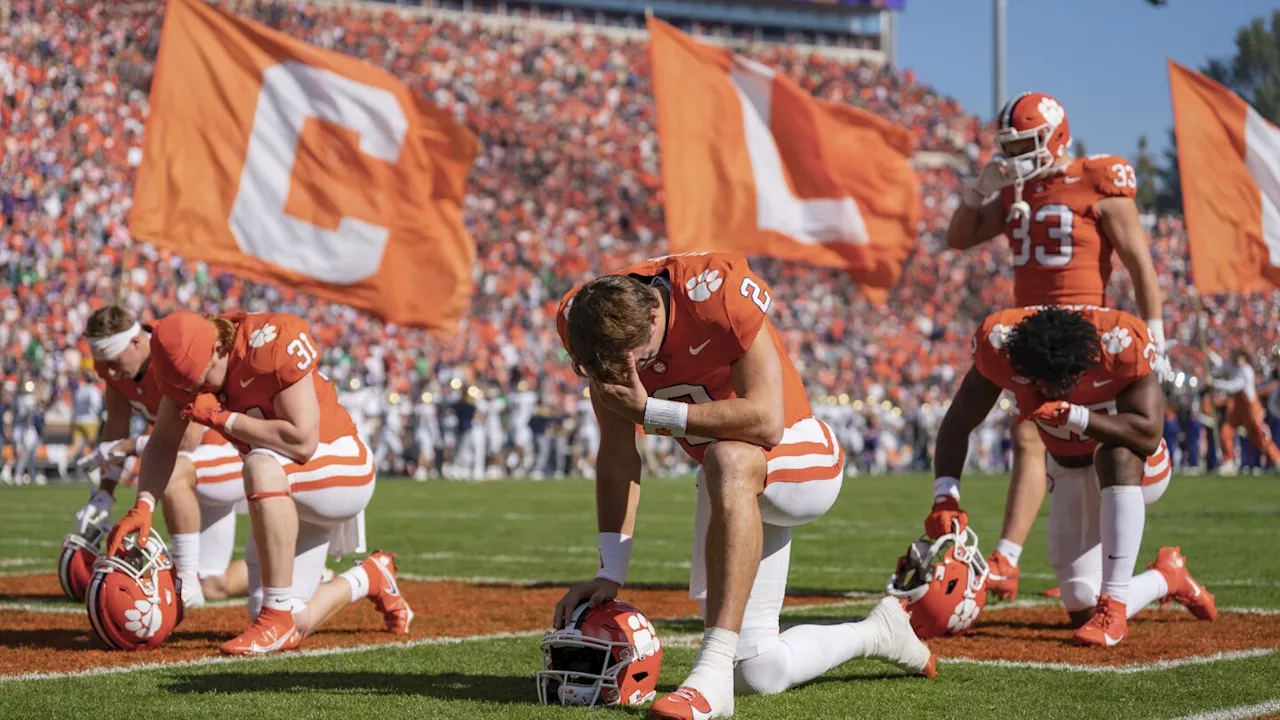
column 192, row 596
column 896, row 641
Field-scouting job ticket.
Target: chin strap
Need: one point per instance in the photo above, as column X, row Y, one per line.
column 1019, row 209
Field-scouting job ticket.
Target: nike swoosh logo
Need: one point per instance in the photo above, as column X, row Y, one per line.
column 245, row 383
column 1114, row 557
column 1100, row 383
column 255, row 647
column 1072, row 179
column 695, row 350
column 1110, row 640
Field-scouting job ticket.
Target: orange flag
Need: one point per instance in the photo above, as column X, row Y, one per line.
column 752, row 164
column 1229, row 161
column 306, row 168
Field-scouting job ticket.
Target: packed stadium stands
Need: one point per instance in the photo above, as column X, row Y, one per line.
column 567, row 185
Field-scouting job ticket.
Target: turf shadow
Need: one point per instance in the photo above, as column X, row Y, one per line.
column 445, row 686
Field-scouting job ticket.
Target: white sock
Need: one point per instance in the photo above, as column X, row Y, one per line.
column 278, row 599
column 358, row 578
column 1011, row 550
column 1124, row 513
column 803, row 653
column 1145, row 589
column 186, row 556
column 713, row 668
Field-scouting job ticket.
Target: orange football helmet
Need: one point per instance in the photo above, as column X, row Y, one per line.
column 75, row 562
column 135, row 599
column 943, row 583
column 607, row 655
column 1032, row 116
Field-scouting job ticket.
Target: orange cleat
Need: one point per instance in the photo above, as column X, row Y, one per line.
column 384, row 591
column 686, row 703
column 1002, row 577
column 1109, row 625
column 1182, row 587
column 273, row 631
column 1053, row 592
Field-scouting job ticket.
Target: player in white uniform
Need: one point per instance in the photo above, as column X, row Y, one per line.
column 587, row 439
column 523, row 403
column 27, row 425
column 495, row 431
column 391, row 437
column 426, row 433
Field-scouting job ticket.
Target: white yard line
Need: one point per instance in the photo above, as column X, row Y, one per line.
column 1240, row 712
column 220, row 660
column 1118, row 669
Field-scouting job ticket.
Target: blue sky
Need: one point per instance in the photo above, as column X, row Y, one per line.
column 1104, row 59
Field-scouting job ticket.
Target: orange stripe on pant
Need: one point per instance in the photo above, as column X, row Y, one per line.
column 805, row 459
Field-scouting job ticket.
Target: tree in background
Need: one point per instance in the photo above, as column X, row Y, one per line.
column 1253, row 73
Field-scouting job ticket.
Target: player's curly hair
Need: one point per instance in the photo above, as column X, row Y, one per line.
column 1053, row 348
column 226, row 331
column 609, row 317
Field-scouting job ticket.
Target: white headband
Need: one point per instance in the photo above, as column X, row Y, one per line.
column 110, row 347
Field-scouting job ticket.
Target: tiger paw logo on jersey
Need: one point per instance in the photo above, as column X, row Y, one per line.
column 145, row 618
column 1052, row 111
column 998, row 336
column 966, row 612
column 263, row 335
column 701, row 287
column 1116, row 340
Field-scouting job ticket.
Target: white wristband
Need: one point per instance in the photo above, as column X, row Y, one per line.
column 946, row 486
column 665, row 417
column 1077, row 419
column 1156, row 328
column 231, row 421
column 140, row 444
column 615, row 556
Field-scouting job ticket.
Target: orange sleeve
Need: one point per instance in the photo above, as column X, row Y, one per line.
column 283, row 346
column 747, row 300
column 1128, row 347
column 987, row 344
column 1111, row 176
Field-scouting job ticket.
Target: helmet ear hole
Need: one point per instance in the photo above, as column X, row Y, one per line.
column 951, row 586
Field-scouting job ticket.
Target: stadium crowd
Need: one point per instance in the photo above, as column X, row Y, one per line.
column 567, row 185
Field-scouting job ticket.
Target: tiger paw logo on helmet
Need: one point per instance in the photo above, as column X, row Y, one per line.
column 701, row 287
column 145, row 617
column 1052, row 111
column 962, row 619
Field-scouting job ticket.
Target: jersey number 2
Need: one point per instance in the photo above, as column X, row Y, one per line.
column 302, row 349
column 1025, row 250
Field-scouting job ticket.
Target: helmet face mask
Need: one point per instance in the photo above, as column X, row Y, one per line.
column 608, row 655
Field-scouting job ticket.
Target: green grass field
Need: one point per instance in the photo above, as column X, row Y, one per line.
column 544, row 531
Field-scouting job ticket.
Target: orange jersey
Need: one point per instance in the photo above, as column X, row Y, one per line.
column 718, row 306
column 1127, row 351
column 273, row 351
column 1060, row 256
column 143, row 393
